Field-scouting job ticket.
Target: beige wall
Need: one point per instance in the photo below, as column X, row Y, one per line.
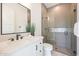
column 36, row 17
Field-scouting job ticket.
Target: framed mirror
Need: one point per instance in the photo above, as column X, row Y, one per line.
column 14, row 18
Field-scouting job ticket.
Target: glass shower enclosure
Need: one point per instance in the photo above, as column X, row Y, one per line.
column 58, row 29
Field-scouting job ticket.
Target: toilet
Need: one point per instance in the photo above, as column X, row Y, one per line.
column 48, row 49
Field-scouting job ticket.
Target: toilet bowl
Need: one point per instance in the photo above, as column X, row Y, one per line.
column 48, row 48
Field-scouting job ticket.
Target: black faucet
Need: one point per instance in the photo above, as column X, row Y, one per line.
column 12, row 39
column 17, row 36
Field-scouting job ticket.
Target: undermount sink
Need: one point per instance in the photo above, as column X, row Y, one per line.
column 7, row 45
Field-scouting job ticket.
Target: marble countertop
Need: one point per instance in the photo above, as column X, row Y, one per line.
column 7, row 47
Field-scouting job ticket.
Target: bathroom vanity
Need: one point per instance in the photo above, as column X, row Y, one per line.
column 28, row 46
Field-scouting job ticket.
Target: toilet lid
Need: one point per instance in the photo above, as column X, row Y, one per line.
column 48, row 46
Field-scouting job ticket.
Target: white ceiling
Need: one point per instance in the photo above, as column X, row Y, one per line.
column 48, row 5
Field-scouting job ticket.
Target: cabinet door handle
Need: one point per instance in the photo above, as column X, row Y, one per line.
column 40, row 43
column 40, row 50
column 36, row 47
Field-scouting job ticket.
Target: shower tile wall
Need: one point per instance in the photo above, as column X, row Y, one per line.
column 44, row 23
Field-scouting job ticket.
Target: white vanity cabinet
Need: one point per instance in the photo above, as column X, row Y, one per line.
column 39, row 48
column 34, row 48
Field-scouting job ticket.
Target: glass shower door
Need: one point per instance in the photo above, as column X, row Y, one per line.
column 61, row 23
column 62, row 39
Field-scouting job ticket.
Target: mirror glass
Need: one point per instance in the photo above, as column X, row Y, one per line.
column 15, row 18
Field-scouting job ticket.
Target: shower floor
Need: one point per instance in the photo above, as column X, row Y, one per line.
column 55, row 53
column 64, row 51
